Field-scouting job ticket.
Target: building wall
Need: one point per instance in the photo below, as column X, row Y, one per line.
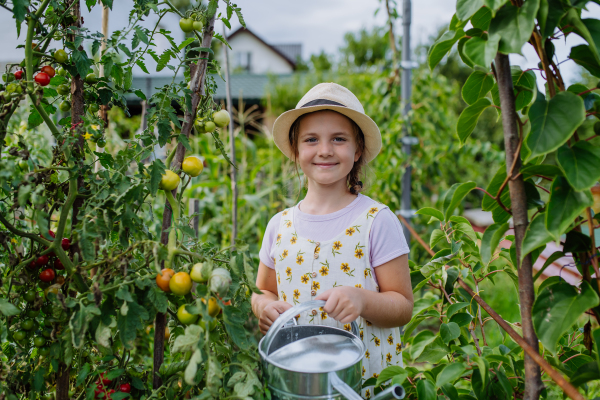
column 263, row 59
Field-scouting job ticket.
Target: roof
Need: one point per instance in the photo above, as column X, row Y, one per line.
column 251, row 86
column 286, row 57
column 292, row 51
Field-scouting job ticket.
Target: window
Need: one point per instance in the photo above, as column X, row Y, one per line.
column 241, row 60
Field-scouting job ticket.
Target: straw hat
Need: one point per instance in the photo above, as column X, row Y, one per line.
column 329, row 96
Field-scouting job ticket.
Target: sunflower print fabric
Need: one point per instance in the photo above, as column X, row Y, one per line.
column 306, row 268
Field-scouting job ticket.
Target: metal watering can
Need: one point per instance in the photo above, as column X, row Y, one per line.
column 315, row 361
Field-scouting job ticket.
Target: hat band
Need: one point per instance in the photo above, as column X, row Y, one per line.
column 322, row 102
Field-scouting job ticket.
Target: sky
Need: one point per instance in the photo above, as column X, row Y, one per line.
column 317, row 24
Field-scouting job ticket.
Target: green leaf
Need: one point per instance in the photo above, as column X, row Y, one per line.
column 583, row 55
column 573, row 19
column 557, row 308
column 490, row 240
column 536, row 235
column 564, row 206
column 455, row 195
column 454, row 308
column 434, row 351
column 555, row 256
column 494, row 5
column 468, row 119
column 7, row 308
column 181, row 138
column 82, row 374
column 549, row 15
column 482, row 52
column 130, row 323
column 442, row 46
column 461, row 319
column 82, row 62
column 585, row 373
column 233, row 318
column 391, row 372
column 514, row 25
column 157, row 169
column 481, row 19
column 525, row 87
column 580, row 163
column 79, row 323
column 158, row 299
column 450, row 373
column 419, row 342
column 477, row 86
column 596, row 337
column 38, row 379
column 449, row 332
column 436, row 236
column 461, row 52
column 547, row 170
column 450, row 391
column 553, row 122
column 432, row 212
column 466, row 8
column 426, row 390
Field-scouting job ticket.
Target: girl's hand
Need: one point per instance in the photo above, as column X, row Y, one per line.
column 270, row 313
column 344, row 303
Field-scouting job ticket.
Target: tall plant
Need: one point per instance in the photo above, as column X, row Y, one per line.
column 551, row 161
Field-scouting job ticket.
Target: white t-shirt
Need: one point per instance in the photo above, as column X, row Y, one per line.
column 386, row 241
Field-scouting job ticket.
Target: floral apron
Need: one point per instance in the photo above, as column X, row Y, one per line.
column 305, row 268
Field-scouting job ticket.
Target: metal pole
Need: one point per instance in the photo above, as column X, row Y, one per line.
column 407, row 141
column 234, row 191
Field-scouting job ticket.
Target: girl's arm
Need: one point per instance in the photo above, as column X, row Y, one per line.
column 391, row 307
column 267, row 306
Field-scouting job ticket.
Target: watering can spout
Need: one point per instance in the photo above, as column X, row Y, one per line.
column 393, row 392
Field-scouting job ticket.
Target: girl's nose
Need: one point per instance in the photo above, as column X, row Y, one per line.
column 325, row 149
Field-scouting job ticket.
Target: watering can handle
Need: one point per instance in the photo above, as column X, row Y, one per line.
column 291, row 313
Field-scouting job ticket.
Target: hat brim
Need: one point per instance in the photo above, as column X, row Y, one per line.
column 370, row 130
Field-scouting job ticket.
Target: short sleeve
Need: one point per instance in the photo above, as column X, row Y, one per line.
column 386, row 240
column 266, row 249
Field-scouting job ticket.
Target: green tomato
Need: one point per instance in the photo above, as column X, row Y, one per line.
column 44, row 351
column 47, row 332
column 23, row 165
column 198, row 25
column 101, row 142
column 209, row 126
column 63, row 89
column 39, row 341
column 61, row 71
column 91, row 78
column 93, row 108
column 65, row 106
column 8, row 77
column 27, row 324
column 186, row 24
column 14, row 88
column 61, row 56
column 211, row 325
column 33, row 313
column 29, row 296
column 185, row 317
column 221, row 118
column 19, row 335
column 196, row 273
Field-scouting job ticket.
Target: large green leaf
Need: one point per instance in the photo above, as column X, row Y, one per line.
column 524, row 86
column 490, row 240
column 584, row 56
column 536, row 235
column 573, row 19
column 585, row 373
column 557, row 308
column 426, row 390
column 593, row 31
column 494, row 5
column 580, row 163
column 432, row 212
column 514, row 25
column 455, row 195
column 434, row 351
column 466, row 8
column 481, row 19
column 482, row 52
column 468, row 119
column 549, row 15
column 449, row 332
column 8, row 309
column 442, row 46
column 477, row 86
column 449, row 374
column 553, row 122
column 564, row 206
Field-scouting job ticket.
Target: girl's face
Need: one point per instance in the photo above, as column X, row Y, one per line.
column 327, row 147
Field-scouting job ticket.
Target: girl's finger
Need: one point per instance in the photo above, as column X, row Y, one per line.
column 332, row 304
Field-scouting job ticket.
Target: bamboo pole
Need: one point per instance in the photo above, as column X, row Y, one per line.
column 234, row 188
column 569, row 389
column 103, row 113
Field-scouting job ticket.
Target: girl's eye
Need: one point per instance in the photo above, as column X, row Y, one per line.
column 311, row 140
column 339, row 139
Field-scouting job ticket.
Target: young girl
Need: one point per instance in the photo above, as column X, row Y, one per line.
column 336, row 245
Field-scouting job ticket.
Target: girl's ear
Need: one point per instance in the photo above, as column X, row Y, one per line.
column 357, row 154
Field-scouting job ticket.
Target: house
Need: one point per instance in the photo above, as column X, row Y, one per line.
column 253, row 55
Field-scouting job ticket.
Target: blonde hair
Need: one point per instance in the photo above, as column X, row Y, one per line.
column 353, row 179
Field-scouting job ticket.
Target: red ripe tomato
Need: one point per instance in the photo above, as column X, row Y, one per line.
column 98, row 391
column 51, row 233
column 105, row 381
column 58, row 264
column 42, row 260
column 47, row 275
column 32, row 265
column 48, row 70
column 109, row 394
column 42, row 78
column 18, row 75
column 125, row 388
column 66, row 244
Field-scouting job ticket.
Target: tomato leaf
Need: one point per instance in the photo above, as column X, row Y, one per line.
column 7, row 308
column 130, row 323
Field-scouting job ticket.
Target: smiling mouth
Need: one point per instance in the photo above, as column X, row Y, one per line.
column 325, row 165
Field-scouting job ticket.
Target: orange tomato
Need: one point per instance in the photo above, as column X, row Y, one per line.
column 163, row 280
